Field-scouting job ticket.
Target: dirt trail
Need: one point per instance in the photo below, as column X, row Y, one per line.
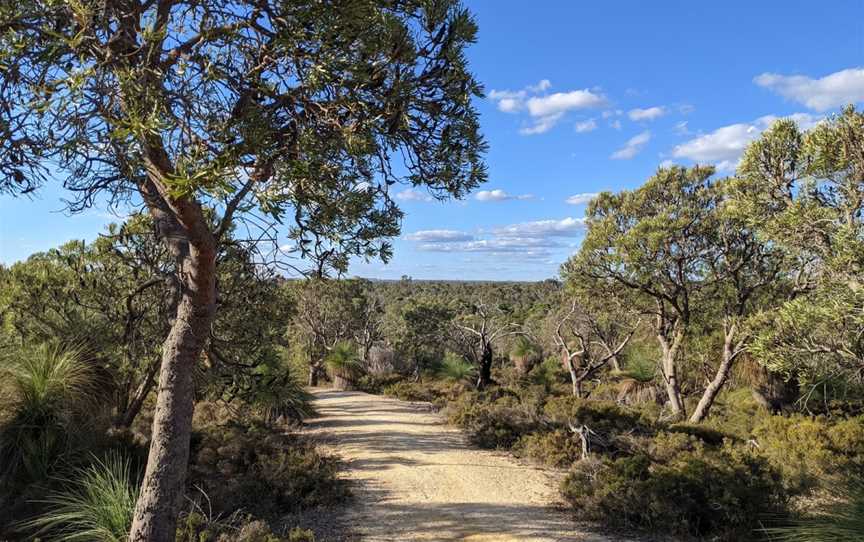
column 417, row 479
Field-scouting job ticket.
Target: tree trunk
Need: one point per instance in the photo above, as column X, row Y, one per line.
column 670, row 372
column 131, row 410
column 159, row 502
column 313, row 375
column 720, row 378
column 484, row 375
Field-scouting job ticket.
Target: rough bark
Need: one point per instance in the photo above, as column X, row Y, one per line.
column 484, row 375
column 180, row 224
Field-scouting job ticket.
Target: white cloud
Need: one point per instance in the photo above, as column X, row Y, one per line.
column 579, row 199
column 686, row 109
column 566, row 227
column 411, row 194
column 544, row 110
column 586, row 126
column 439, row 236
column 667, row 163
column 499, row 195
column 649, row 114
column 612, row 113
column 725, row 145
column 833, row 90
column 501, row 246
column 615, row 124
column 561, row 102
column 633, row 146
column 542, row 125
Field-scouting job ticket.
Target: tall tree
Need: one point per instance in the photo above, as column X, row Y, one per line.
column 293, row 109
column 804, row 192
column 654, row 241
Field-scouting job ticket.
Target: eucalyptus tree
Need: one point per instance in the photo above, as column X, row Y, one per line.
column 745, row 275
column 655, row 242
column 291, row 112
column 592, row 333
column 804, row 192
column 326, row 313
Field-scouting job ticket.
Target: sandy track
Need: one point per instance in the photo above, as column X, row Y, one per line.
column 417, row 479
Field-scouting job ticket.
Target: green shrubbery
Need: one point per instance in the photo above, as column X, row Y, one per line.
column 680, row 488
column 251, row 467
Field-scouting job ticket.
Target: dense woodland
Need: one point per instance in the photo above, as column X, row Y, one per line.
column 695, row 371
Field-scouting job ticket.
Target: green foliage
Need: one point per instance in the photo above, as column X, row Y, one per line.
column 811, row 451
column 490, row 421
column 342, row 360
column 558, row 448
column 456, row 368
column 260, row 470
column 96, row 506
column 680, row 489
column 45, row 389
column 197, row 527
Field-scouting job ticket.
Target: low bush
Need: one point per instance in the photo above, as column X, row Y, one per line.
column 685, row 489
column 262, row 471
column 493, row 420
column 807, row 450
column 197, row 527
column 558, row 448
column 376, row 383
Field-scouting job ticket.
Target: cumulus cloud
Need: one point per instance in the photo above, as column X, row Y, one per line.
column 566, row 227
column 411, row 194
column 544, row 111
column 615, row 124
column 833, row 90
column 579, row 199
column 439, row 236
column 649, row 114
column 585, row 126
column 632, row 147
column 561, row 102
column 724, row 146
column 499, row 195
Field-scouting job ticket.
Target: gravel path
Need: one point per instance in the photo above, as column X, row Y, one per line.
column 417, row 479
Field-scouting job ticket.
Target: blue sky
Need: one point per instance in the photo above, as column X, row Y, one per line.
column 584, row 97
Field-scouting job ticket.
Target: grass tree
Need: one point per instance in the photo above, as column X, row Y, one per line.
column 290, row 109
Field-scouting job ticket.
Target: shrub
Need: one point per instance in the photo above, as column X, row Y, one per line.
column 195, row 526
column 96, row 505
column 603, row 417
column 558, row 448
column 343, row 365
column 490, row 421
column 691, row 491
column 377, row 383
column 260, row 470
column 806, row 450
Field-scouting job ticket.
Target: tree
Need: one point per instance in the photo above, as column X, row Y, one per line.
column 420, row 332
column 589, row 342
column 328, row 312
column 804, row 192
column 655, row 242
column 291, row 108
column 476, row 333
column 745, row 275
